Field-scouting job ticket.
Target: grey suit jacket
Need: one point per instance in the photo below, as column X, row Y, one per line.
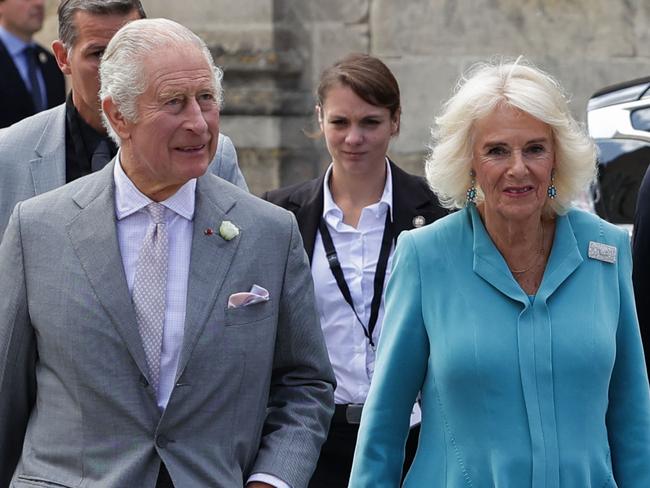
column 32, row 159
column 254, row 387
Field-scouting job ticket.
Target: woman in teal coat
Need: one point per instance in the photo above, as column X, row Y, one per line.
column 514, row 317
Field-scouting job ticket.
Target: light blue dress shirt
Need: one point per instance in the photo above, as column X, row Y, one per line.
column 543, row 393
column 16, row 49
column 132, row 223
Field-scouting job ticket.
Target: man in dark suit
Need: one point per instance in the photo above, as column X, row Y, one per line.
column 641, row 259
column 30, row 81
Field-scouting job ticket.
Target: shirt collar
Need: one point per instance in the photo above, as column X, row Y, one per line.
column 386, row 200
column 129, row 200
column 90, row 138
column 14, row 44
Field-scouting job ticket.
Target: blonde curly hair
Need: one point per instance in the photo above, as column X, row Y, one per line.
column 520, row 85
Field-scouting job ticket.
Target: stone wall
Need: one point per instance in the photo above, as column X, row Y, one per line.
column 585, row 44
column 273, row 51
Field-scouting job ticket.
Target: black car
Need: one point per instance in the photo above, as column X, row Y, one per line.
column 618, row 118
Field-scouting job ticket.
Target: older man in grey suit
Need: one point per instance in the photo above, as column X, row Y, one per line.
column 52, row 148
column 157, row 324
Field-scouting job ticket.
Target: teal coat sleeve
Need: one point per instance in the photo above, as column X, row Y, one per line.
column 399, row 374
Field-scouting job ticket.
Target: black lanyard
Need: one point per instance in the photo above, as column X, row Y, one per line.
column 380, row 273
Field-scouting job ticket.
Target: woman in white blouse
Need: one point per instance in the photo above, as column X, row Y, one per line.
column 349, row 219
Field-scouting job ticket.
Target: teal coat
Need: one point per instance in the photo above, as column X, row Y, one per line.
column 541, row 392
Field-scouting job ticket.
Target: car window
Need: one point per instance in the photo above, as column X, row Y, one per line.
column 622, row 164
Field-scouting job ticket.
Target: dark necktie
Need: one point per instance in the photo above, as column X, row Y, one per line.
column 102, row 155
column 32, row 70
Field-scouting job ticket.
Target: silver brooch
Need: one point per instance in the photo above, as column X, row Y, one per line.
column 418, row 221
column 602, row 252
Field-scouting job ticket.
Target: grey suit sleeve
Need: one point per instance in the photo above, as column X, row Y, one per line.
column 225, row 164
column 301, row 400
column 17, row 351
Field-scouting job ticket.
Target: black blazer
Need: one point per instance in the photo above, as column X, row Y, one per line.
column 641, row 263
column 411, row 198
column 15, row 99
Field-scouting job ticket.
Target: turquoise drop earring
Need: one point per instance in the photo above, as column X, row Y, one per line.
column 552, row 190
column 471, row 191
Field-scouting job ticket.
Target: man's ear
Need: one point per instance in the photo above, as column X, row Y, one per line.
column 120, row 125
column 61, row 55
column 319, row 115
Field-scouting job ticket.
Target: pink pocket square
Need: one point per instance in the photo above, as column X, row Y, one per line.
column 245, row 298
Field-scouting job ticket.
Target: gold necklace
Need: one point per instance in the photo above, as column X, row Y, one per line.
column 535, row 260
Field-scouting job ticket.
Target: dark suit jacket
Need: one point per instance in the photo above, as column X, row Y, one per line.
column 641, row 260
column 411, row 198
column 15, row 98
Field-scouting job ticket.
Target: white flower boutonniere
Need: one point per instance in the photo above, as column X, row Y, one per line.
column 228, row 230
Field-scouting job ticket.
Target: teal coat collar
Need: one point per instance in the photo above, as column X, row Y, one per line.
column 490, row 265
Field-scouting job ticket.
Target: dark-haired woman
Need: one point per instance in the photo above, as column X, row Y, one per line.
column 350, row 218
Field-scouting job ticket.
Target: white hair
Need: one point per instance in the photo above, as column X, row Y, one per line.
column 121, row 70
column 522, row 86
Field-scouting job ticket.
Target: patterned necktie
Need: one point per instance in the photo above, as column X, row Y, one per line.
column 32, row 69
column 150, row 288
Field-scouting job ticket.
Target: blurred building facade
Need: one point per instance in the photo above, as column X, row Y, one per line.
column 273, row 51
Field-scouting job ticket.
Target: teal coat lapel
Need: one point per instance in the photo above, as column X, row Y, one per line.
column 490, row 265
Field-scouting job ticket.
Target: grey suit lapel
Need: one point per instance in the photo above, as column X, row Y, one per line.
column 94, row 236
column 48, row 165
column 210, row 261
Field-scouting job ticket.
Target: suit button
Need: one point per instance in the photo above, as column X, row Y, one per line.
column 162, row 441
column 143, row 381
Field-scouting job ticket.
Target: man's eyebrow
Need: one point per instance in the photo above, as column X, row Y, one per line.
column 94, row 47
column 172, row 91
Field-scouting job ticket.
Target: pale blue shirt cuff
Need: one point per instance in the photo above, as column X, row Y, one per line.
column 267, row 478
